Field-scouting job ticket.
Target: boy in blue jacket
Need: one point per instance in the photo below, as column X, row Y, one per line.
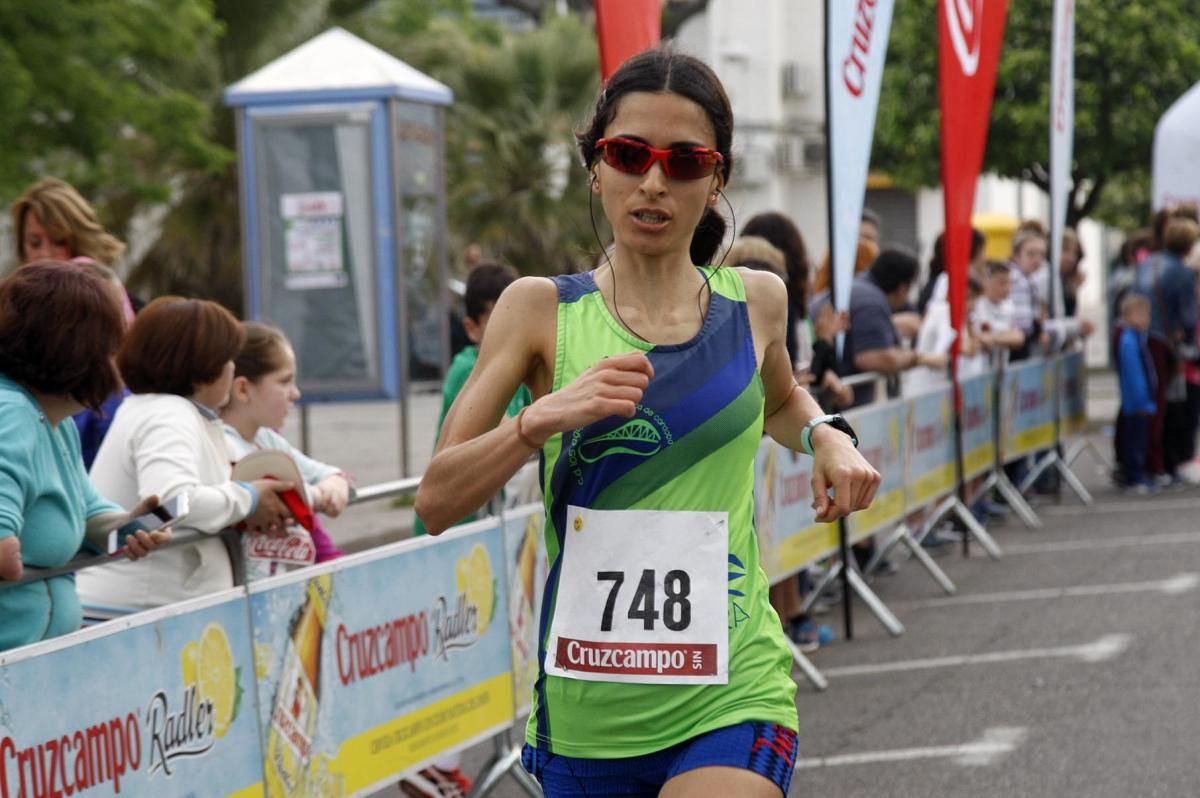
column 1136, row 373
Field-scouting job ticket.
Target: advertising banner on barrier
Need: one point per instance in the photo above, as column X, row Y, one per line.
column 930, row 435
column 789, row 536
column 374, row 664
column 1027, row 409
column 978, row 425
column 1072, row 394
column 525, row 569
column 881, row 440
column 154, row 705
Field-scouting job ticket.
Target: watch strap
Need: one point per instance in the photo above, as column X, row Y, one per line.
column 806, row 433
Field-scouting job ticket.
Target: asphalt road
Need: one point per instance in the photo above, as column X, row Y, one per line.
column 1066, row 668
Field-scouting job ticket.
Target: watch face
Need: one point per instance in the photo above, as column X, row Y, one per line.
column 842, row 425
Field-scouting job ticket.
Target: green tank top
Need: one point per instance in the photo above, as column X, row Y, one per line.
column 690, row 447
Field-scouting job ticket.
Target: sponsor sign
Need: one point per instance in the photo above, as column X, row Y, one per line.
column 372, row 665
column 880, row 431
column 857, row 38
column 525, row 567
column 970, row 34
column 930, row 436
column 978, row 425
column 789, row 536
column 1072, row 394
column 1027, row 409
column 153, row 705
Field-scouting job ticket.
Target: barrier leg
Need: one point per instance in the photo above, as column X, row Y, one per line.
column 814, row 676
column 1082, row 445
column 1072, row 481
column 506, row 760
column 922, row 556
column 977, row 530
column 1035, row 473
column 881, row 552
column 831, row 573
column 874, row 604
column 999, row 480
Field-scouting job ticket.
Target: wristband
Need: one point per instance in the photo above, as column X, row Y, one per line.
column 521, row 436
column 835, row 421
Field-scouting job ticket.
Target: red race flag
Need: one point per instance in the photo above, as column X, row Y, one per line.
column 970, row 34
column 625, row 28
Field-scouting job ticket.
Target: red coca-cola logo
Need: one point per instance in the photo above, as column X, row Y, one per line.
column 964, row 18
column 295, row 547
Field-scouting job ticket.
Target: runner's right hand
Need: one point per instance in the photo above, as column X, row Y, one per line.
column 612, row 387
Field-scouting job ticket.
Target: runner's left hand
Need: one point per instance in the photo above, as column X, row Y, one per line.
column 840, row 466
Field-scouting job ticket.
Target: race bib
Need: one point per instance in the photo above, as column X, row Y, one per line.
column 642, row 597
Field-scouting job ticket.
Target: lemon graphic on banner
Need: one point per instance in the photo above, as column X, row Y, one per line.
column 217, row 677
column 473, row 574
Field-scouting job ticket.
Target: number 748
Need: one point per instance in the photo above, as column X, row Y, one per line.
column 676, row 610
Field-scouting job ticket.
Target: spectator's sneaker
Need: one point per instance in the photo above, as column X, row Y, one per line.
column 435, row 782
column 1141, row 489
column 809, row 636
column 1189, row 473
column 940, row 541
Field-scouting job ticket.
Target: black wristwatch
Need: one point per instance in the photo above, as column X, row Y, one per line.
column 836, row 421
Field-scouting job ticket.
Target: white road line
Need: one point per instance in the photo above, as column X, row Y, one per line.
column 1173, row 586
column 1091, row 544
column 992, row 746
column 1158, row 504
column 1101, row 649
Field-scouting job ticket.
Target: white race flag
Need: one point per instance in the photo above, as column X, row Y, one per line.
column 855, row 49
column 1062, row 137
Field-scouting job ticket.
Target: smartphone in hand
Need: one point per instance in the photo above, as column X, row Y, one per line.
column 167, row 513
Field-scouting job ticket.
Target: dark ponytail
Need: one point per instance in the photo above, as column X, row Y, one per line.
column 664, row 70
column 707, row 237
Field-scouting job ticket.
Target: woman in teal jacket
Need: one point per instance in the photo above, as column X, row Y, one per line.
column 60, row 325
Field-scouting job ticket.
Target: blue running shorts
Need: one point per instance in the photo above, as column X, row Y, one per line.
column 764, row 748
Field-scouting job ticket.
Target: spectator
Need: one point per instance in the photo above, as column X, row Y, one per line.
column 1171, row 288
column 864, row 255
column 937, row 285
column 1135, row 371
column 992, row 319
column 1070, row 269
column 870, row 227
column 485, row 283
column 264, row 390
column 166, row 440
column 872, row 343
column 1028, row 255
column 937, row 336
column 52, row 220
column 49, row 368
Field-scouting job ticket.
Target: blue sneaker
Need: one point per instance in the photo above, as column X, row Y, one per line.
column 809, row 636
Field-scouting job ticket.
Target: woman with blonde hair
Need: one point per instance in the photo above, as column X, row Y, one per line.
column 52, row 221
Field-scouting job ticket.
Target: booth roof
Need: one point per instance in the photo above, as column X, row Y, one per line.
column 336, row 65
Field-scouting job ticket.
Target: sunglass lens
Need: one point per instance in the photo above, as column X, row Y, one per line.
column 690, row 164
column 627, row 156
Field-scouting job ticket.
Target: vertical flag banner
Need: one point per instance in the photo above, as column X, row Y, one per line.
column 970, row 34
column 625, row 28
column 855, row 51
column 1062, row 138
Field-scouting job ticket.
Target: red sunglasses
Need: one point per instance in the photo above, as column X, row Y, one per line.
column 681, row 163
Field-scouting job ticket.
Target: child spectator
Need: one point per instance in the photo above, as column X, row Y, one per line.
column 936, row 337
column 264, row 390
column 484, row 285
column 1136, row 373
column 993, row 318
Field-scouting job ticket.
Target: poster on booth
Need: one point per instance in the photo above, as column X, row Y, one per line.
column 789, row 536
column 881, row 440
column 1072, row 394
column 525, row 569
column 375, row 664
column 930, row 428
column 978, row 425
column 160, row 704
column 1027, row 409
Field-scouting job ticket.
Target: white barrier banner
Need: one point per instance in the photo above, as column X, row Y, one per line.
column 525, row 567
column 881, row 440
column 978, row 425
column 930, row 436
column 1027, row 409
column 1072, row 394
column 153, row 705
column 789, row 536
column 372, row 665
column 856, row 49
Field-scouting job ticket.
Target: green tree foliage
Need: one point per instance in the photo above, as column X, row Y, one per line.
column 103, row 94
column 1133, row 59
column 515, row 184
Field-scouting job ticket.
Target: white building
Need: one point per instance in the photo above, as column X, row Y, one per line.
column 771, row 62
